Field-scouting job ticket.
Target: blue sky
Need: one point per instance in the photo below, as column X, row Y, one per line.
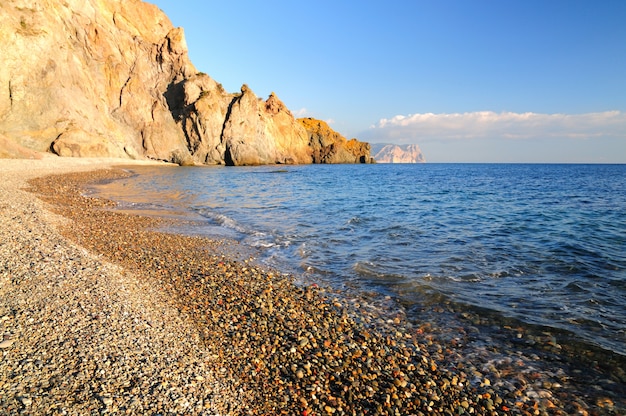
column 469, row 81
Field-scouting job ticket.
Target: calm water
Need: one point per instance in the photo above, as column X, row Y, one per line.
column 542, row 244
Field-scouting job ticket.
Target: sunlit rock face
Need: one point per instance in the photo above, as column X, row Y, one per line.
column 328, row 146
column 86, row 78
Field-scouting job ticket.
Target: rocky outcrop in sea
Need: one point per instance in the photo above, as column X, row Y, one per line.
column 328, row 146
column 87, row 78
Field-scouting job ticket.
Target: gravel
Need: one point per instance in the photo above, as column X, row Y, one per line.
column 81, row 335
column 103, row 313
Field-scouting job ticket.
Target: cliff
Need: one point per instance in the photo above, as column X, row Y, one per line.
column 88, row 78
column 392, row 153
column 328, row 146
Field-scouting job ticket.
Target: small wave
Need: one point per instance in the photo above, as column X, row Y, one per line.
column 501, row 274
column 222, row 220
column 228, row 222
column 253, row 238
column 262, row 244
column 457, row 278
column 369, row 269
column 576, row 287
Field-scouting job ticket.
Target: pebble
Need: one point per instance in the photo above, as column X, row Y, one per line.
column 226, row 336
column 74, row 324
column 6, row 343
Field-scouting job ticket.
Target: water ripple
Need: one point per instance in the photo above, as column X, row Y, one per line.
column 544, row 244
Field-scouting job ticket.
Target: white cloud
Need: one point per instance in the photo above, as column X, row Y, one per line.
column 300, row 113
column 418, row 128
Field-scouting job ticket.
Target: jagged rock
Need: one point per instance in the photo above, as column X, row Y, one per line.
column 113, row 78
column 328, row 146
column 392, row 153
column 260, row 132
column 86, row 78
column 201, row 116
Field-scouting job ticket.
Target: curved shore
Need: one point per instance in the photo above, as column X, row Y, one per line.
column 82, row 335
column 102, row 314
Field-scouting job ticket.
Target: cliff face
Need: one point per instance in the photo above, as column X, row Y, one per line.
column 112, row 78
column 86, row 78
column 391, row 153
column 235, row 129
column 328, row 146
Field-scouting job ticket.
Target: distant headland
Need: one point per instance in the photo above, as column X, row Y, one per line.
column 393, row 153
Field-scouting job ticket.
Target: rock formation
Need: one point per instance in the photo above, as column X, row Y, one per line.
column 392, row 153
column 113, row 78
column 239, row 129
column 328, row 146
column 86, row 78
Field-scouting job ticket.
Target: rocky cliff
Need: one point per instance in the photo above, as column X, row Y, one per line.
column 328, row 146
column 112, row 78
column 392, row 153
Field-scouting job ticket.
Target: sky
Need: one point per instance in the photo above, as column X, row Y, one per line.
column 468, row 81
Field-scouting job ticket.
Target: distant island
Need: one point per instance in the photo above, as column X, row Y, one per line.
column 113, row 79
column 393, row 153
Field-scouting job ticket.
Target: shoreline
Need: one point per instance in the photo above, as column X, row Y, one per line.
column 267, row 345
column 80, row 334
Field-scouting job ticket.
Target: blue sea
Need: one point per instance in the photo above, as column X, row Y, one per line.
column 540, row 245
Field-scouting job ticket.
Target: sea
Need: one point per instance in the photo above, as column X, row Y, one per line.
column 535, row 245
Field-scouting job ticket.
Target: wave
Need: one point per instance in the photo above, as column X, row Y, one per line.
column 222, row 220
column 520, row 240
column 372, row 271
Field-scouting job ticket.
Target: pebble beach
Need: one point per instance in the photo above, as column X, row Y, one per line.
column 102, row 312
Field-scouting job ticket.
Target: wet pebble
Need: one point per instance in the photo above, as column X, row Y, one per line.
column 252, row 341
